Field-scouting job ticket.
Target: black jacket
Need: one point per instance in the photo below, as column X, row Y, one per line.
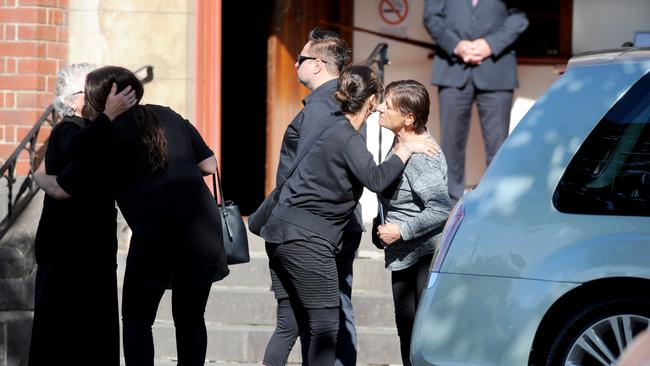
column 328, row 183
column 83, row 227
column 173, row 216
column 309, row 121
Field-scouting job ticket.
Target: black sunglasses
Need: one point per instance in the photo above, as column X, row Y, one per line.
column 302, row 59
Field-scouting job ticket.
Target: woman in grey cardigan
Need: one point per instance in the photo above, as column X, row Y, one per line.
column 416, row 206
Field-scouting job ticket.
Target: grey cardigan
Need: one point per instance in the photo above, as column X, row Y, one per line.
column 419, row 204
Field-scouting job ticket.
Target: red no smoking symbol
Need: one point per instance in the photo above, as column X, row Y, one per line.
column 393, row 11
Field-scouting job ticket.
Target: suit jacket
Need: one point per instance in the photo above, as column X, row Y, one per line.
column 451, row 21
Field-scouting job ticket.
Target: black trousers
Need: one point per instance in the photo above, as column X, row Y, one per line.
column 408, row 285
column 139, row 306
column 308, row 273
column 76, row 317
column 346, row 341
column 284, row 336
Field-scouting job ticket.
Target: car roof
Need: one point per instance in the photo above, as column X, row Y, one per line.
column 617, row 55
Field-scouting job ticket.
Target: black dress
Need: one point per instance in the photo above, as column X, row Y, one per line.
column 75, row 310
column 176, row 231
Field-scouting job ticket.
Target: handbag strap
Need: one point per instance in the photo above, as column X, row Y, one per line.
column 306, row 150
column 217, row 179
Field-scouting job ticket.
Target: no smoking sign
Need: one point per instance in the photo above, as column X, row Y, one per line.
column 393, row 12
column 393, row 17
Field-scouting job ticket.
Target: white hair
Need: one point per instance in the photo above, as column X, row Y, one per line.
column 70, row 81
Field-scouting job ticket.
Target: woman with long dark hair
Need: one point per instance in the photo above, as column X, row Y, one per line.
column 156, row 160
column 316, row 203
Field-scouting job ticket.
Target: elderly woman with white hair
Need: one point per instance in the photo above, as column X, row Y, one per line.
column 75, row 302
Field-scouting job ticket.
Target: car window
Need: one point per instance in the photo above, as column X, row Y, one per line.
column 610, row 173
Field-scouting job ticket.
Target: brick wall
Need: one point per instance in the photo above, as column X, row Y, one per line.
column 33, row 46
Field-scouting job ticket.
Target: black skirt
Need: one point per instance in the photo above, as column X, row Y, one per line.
column 305, row 270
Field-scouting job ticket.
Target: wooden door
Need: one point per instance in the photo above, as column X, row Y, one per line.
column 291, row 23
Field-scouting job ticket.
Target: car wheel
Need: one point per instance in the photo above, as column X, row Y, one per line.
column 598, row 335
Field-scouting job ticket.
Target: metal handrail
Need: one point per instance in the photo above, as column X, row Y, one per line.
column 28, row 188
column 148, row 69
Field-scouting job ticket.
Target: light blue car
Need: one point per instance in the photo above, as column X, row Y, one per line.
column 547, row 261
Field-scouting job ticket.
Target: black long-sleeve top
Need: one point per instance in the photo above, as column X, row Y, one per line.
column 328, row 183
column 174, row 218
column 81, row 227
column 309, row 121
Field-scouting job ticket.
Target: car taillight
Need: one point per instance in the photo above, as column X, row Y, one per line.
column 448, row 233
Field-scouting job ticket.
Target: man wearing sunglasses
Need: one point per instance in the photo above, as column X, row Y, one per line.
column 318, row 66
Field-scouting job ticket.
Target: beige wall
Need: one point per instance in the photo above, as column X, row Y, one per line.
column 134, row 33
column 603, row 24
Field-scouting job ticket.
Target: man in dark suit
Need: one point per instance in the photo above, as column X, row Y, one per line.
column 474, row 61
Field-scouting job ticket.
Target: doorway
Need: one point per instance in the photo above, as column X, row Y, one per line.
column 243, row 114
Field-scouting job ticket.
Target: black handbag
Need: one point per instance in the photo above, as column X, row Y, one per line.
column 379, row 220
column 235, row 237
column 258, row 219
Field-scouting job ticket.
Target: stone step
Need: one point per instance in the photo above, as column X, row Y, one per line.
column 255, row 243
column 258, row 307
column 369, row 274
column 230, row 343
column 173, row 362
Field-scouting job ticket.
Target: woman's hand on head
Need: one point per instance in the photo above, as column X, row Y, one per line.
column 118, row 103
column 388, row 233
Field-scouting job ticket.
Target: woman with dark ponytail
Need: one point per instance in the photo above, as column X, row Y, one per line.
column 156, row 160
column 315, row 205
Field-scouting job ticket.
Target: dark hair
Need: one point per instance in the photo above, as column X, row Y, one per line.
column 357, row 83
column 409, row 96
column 152, row 134
column 331, row 48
